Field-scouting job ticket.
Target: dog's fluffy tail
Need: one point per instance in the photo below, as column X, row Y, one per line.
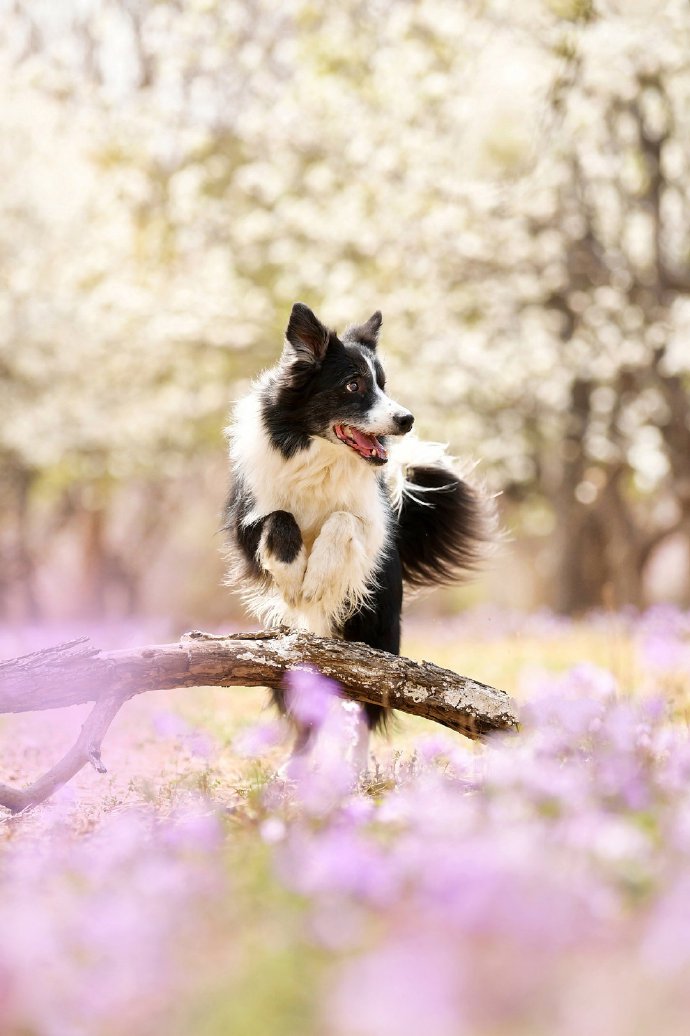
column 444, row 525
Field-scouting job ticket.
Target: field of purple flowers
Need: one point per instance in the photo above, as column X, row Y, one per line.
column 538, row 884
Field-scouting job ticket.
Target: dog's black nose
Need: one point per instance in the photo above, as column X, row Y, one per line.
column 404, row 421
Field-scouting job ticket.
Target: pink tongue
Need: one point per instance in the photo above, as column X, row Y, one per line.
column 366, row 442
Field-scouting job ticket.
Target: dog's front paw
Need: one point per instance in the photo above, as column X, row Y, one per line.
column 283, row 555
column 313, row 588
column 331, row 566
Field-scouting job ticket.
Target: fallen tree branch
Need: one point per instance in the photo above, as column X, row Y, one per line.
column 75, row 673
column 87, row 749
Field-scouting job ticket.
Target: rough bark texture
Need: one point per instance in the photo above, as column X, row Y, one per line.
column 74, row 673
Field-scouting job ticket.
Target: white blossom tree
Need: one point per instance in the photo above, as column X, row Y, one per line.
column 506, row 182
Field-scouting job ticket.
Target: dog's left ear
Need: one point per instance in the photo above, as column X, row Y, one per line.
column 367, row 334
column 306, row 334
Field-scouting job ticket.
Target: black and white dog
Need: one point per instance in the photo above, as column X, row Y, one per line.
column 327, row 518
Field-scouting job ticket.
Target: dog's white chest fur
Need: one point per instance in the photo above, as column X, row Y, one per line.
column 338, row 504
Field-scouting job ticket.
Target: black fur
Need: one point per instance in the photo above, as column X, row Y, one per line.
column 366, row 334
column 238, row 506
column 306, row 334
column 378, row 624
column 440, row 528
column 283, row 538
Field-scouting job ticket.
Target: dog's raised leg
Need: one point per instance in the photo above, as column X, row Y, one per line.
column 282, row 554
column 339, row 565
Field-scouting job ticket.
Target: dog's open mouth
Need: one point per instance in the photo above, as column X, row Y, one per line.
column 363, row 443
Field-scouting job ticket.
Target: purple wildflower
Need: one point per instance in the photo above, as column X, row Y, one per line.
column 309, row 696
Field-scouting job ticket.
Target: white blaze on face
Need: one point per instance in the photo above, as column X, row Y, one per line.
column 381, row 417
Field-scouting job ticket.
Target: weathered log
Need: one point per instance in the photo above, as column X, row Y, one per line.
column 75, row 673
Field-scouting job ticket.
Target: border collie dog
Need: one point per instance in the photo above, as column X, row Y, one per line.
column 328, row 516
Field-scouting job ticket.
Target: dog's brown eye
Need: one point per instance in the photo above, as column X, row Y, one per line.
column 352, row 386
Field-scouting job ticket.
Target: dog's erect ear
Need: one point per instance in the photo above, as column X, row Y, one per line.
column 306, row 334
column 367, row 334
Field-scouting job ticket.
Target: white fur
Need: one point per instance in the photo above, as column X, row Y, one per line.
column 339, row 566
column 410, row 452
column 337, row 503
column 380, row 419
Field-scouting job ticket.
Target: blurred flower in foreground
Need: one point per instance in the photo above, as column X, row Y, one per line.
column 259, row 738
column 309, row 696
column 536, row 886
column 95, row 929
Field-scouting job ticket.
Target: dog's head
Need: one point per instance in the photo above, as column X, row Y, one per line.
column 332, row 388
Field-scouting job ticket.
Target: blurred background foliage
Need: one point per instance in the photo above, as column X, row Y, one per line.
column 507, row 182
